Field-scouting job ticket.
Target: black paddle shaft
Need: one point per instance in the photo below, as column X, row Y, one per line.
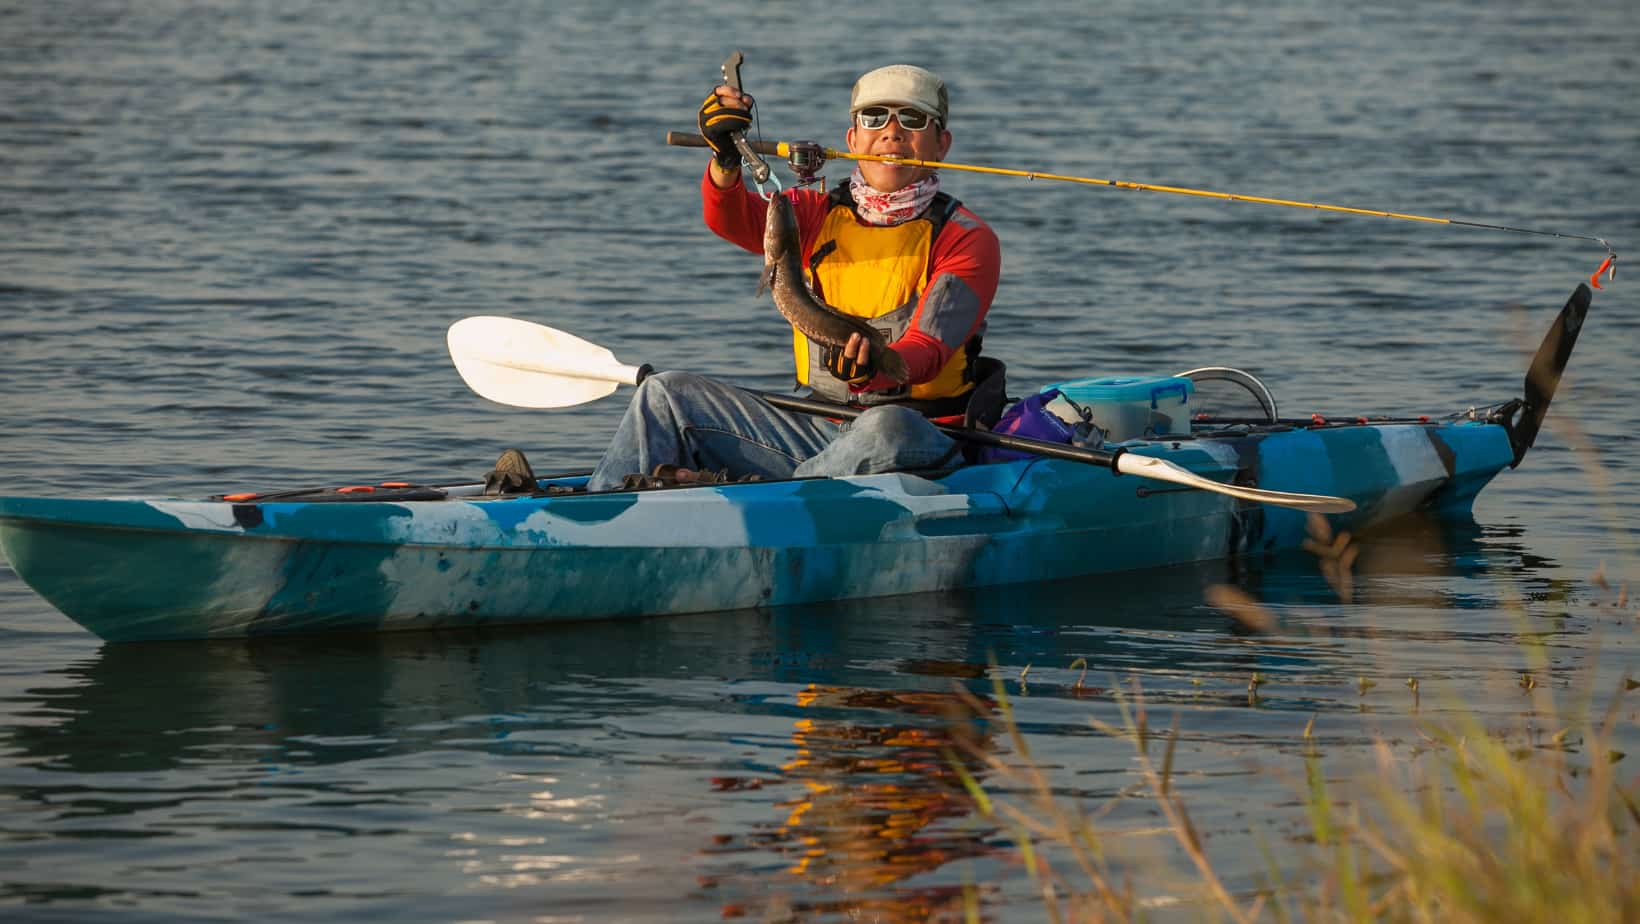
column 1102, row 458
column 982, row 437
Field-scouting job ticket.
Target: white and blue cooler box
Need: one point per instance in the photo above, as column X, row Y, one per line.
column 1133, row 407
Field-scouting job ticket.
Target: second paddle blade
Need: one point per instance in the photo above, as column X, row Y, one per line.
column 523, row 364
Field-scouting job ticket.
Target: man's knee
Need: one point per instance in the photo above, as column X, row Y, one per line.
column 661, row 389
column 892, row 423
column 670, row 381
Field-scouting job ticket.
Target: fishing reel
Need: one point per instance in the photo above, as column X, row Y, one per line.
column 806, row 158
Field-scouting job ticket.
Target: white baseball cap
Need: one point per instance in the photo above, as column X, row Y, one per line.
column 905, row 84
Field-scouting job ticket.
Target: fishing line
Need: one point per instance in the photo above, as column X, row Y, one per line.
column 757, row 126
column 1607, row 266
column 804, row 155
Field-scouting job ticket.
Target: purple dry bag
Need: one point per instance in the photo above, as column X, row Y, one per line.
column 1029, row 417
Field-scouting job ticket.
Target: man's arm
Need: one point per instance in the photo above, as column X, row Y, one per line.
column 734, row 213
column 738, row 214
column 965, row 266
column 721, row 177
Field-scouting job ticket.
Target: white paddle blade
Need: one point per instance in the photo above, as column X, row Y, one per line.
column 1162, row 470
column 524, row 364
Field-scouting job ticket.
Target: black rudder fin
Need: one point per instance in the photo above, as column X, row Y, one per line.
column 1543, row 376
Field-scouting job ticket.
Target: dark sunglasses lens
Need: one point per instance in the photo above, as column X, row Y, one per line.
column 874, row 117
column 913, row 120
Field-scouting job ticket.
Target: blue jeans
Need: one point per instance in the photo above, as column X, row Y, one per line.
column 699, row 423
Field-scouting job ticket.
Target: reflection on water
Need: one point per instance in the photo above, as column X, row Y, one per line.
column 877, row 803
column 811, row 746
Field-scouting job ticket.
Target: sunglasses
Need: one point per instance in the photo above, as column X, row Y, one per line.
column 873, row 118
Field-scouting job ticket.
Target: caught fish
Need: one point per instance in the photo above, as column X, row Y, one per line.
column 783, row 275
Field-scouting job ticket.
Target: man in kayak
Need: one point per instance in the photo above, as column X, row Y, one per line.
column 885, row 246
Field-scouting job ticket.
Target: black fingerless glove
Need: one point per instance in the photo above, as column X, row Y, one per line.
column 717, row 124
column 845, row 369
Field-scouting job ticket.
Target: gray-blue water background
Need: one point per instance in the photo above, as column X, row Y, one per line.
column 232, row 236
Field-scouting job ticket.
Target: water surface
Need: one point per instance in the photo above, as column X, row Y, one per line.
column 231, row 239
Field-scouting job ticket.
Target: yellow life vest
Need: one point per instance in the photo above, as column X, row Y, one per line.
column 877, row 273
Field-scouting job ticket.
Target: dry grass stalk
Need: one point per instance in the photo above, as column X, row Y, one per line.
column 1469, row 827
column 1531, row 835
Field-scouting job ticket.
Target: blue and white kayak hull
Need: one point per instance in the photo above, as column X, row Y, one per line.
column 159, row 568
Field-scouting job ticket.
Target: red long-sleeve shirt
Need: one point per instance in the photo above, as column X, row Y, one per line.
column 967, row 249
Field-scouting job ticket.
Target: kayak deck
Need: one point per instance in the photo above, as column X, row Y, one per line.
column 160, row 568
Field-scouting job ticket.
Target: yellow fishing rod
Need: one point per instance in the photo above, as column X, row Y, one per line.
column 806, row 158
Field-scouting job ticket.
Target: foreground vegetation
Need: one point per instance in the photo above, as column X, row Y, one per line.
column 1539, row 822
column 1477, row 826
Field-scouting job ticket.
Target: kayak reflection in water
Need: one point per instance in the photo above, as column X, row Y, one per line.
column 885, row 246
column 878, row 805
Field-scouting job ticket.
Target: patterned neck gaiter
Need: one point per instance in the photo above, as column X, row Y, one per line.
column 892, row 208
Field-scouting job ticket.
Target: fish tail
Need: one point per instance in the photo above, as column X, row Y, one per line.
column 892, row 363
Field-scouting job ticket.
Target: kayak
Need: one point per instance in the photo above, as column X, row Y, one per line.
column 392, row 556
column 408, row 557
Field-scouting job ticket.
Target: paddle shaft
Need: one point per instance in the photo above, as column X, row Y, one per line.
column 1119, row 462
column 524, row 364
column 1098, row 457
column 784, row 149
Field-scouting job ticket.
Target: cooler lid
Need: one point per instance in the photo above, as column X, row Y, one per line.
column 1156, row 390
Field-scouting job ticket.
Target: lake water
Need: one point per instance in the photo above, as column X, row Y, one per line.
column 233, row 235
